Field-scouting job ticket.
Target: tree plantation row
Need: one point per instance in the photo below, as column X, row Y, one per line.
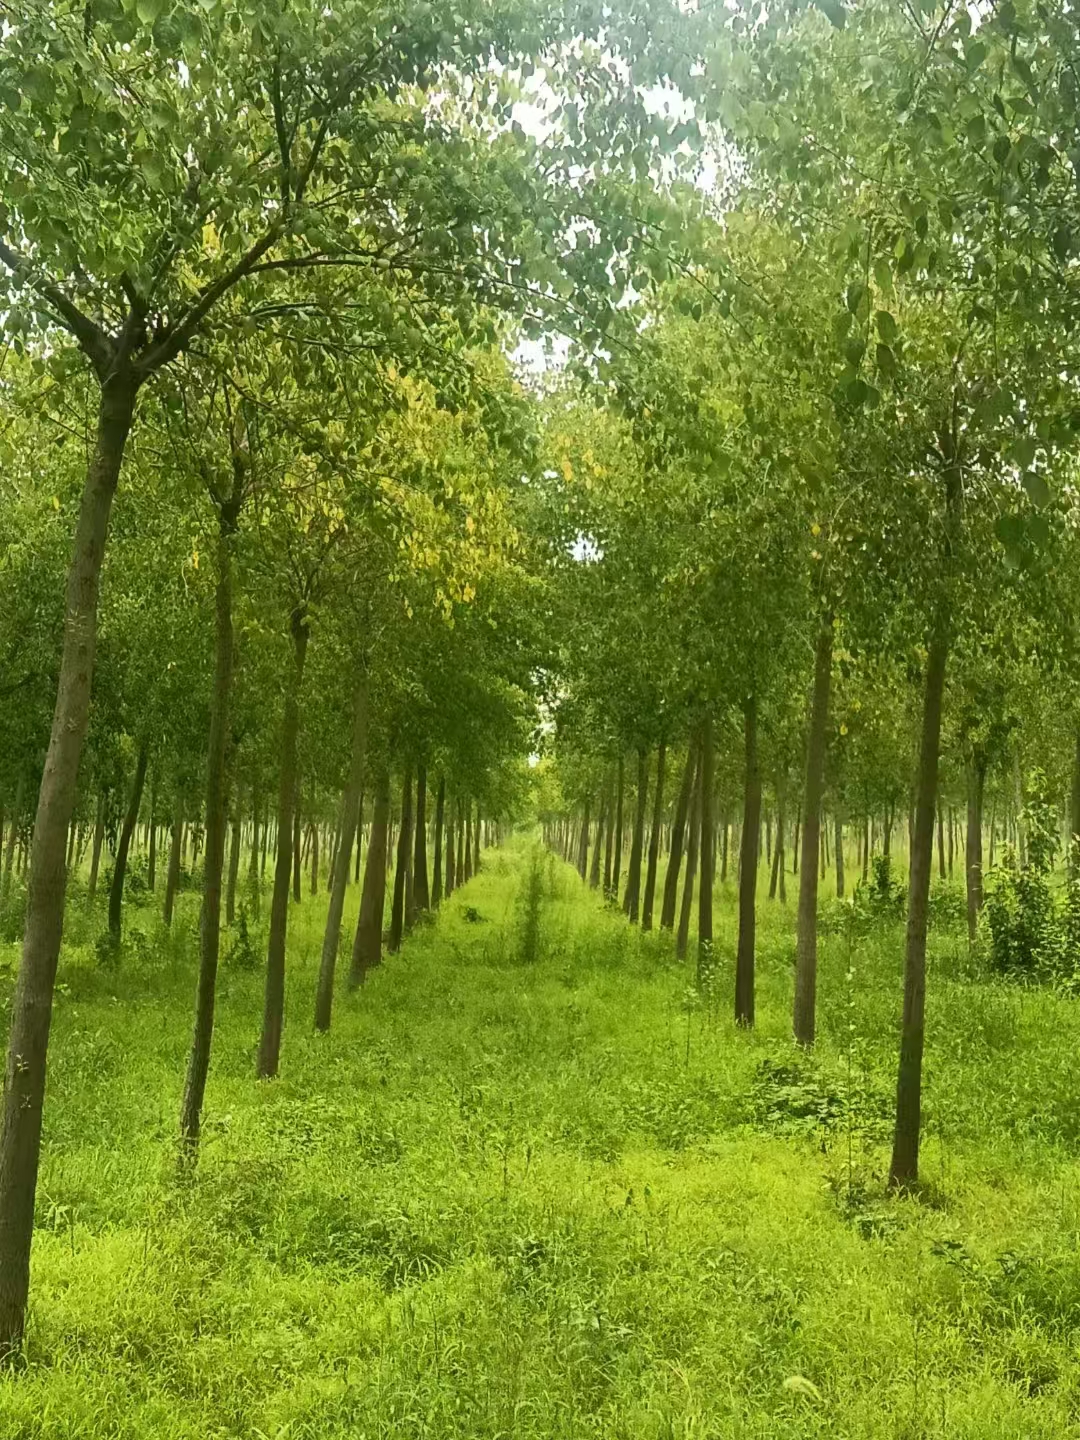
column 392, row 397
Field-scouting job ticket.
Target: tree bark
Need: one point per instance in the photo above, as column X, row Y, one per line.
column 131, row 819
column 654, row 840
column 466, row 835
column 594, row 868
column 705, row 883
column 839, row 834
column 804, row 1018
column 973, row 852
column 172, row 875
column 297, row 857
column 583, row 844
column 748, row 868
column 210, row 914
column 616, row 864
column 940, row 842
column 31, row 1006
column 637, row 839
column 266, row 1065
column 235, row 838
column 440, row 820
column 904, row 1169
column 421, row 897
column 367, row 944
column 682, row 935
column 609, row 843
column 397, row 914
column 451, row 855
column 151, row 861
column 678, row 842
column 95, row 853
column 350, row 809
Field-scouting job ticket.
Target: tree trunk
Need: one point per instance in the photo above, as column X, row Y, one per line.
column 678, row 843
column 904, row 1170
column 583, row 844
column 172, row 875
column 682, row 935
column 367, row 945
column 151, row 862
column 748, row 868
column 95, row 853
column 297, row 856
column 131, row 819
column 397, row 914
column 467, row 842
column 210, row 914
column 266, row 1065
column 440, row 819
column 616, row 864
column 421, row 898
column 594, row 869
column 839, row 834
column 451, row 853
column 350, row 809
column 235, row 838
column 31, row 1005
column 256, row 842
column 725, row 829
column 805, row 1011
column 314, row 857
column 633, row 882
column 976, row 785
column 705, row 883
column 654, row 840
column 940, row 842
column 609, row 842
column 359, row 830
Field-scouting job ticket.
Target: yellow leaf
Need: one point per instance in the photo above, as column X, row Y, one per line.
column 195, row 559
column 567, row 469
column 468, row 593
column 210, row 238
column 843, row 729
column 799, row 1385
column 815, row 529
column 56, row 502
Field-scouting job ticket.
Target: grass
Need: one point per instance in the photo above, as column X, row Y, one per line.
column 532, row 1185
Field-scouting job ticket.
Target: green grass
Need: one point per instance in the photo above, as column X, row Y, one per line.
column 552, row 1197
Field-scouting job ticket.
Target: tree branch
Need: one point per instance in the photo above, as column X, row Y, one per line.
column 93, row 340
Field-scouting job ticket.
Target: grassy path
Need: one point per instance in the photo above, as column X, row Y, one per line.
column 557, row 1197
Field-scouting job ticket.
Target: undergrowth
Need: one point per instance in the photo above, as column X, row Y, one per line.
column 533, row 1185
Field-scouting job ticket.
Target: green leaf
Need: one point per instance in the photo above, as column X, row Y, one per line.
column 854, row 298
column 835, row 11
column 1023, row 451
column 887, row 327
column 886, row 360
column 149, row 10
column 1038, row 491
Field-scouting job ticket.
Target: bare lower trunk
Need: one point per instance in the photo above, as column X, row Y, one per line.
column 367, row 945
column 616, row 864
column 804, row 1021
column 397, row 914
column 583, row 844
column 131, row 819
column 235, row 838
column 940, row 842
column 151, row 860
column 451, row 856
column 654, row 841
column 594, row 868
column 682, row 935
column 974, row 855
column 678, row 841
column 31, row 1006
column 210, row 914
column 297, row 857
column 609, row 844
column 440, row 820
column 172, row 875
column 839, row 832
column 904, row 1169
column 705, row 882
column 637, row 840
column 266, row 1065
column 95, row 852
column 748, row 867
column 350, row 808
column 421, row 894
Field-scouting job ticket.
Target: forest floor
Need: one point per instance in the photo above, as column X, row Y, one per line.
column 531, row 1185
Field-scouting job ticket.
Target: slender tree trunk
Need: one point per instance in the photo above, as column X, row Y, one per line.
column 839, row 834
column 297, row 855
column 151, row 862
column 467, row 841
column 940, row 842
column 210, row 914
column 478, row 831
column 774, row 873
column 172, row 875
column 976, row 785
column 616, row 870
column 583, row 844
column 654, row 840
column 678, row 841
column 131, row 819
column 805, row 1011
column 350, row 810
column 633, row 882
column 235, row 839
column 95, row 853
column 748, row 868
column 397, row 914
column 266, row 1066
column 367, row 945
column 253, row 858
column 421, row 898
column 725, row 830
column 780, row 848
column 682, row 935
column 31, row 1006
column 609, row 842
column 705, row 883
column 451, row 853
column 440, row 820
column 594, row 869
column 359, row 837
column 904, row 1169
